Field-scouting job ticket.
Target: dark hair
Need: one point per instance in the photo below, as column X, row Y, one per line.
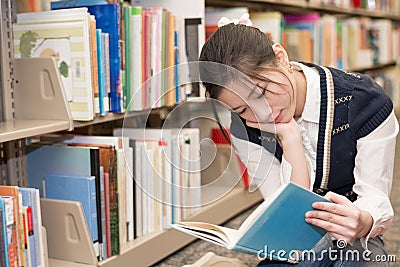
column 239, row 47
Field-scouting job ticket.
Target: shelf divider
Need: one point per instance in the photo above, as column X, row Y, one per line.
column 40, row 105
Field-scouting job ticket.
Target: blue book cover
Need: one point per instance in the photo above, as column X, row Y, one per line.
column 75, row 188
column 75, row 3
column 278, row 224
column 44, row 160
column 107, row 19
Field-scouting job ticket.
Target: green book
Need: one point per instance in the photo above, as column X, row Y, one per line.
column 127, row 74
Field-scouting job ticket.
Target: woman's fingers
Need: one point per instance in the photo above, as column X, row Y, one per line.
column 334, row 208
column 336, row 198
column 341, row 218
column 326, row 216
column 336, row 230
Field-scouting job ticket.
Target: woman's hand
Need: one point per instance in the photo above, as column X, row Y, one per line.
column 291, row 141
column 341, row 218
column 288, row 132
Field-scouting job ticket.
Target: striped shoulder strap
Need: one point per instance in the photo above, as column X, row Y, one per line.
column 327, row 110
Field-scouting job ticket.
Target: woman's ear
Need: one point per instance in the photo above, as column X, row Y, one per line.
column 281, row 54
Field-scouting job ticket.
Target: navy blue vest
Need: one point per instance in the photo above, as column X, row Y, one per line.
column 352, row 106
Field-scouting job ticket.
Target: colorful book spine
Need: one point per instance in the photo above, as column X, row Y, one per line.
column 100, row 69
column 8, row 203
column 28, row 203
column 106, row 64
column 128, row 51
column 107, row 18
column 114, row 213
column 94, row 64
column 4, row 253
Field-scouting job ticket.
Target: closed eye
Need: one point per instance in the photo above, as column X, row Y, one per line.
column 242, row 112
column 264, row 90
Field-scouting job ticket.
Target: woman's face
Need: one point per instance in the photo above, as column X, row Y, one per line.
column 266, row 102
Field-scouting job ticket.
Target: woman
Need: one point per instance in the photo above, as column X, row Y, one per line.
column 333, row 132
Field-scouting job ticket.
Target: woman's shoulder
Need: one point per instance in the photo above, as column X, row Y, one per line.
column 369, row 105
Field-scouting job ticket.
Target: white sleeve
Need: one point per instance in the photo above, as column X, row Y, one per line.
column 266, row 172
column 373, row 174
column 262, row 166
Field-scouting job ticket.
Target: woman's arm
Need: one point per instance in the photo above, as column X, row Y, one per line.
column 290, row 139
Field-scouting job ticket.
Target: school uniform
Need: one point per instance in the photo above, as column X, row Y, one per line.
column 349, row 133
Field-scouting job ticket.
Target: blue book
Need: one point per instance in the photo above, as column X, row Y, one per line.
column 44, row 160
column 75, row 188
column 107, row 19
column 75, row 3
column 278, row 224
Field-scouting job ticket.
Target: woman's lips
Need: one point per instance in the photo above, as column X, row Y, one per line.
column 278, row 118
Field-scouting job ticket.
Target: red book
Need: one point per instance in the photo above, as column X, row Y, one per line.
column 356, row 3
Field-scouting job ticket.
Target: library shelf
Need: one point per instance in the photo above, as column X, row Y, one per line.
column 293, row 6
column 375, row 67
column 151, row 249
column 144, row 251
column 119, row 116
column 18, row 129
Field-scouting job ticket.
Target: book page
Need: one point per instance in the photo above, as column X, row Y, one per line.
column 219, row 234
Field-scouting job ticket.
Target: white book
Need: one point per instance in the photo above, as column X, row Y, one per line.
column 184, row 80
column 139, row 146
column 176, row 184
column 128, row 154
column 136, row 103
column 69, row 14
column 162, row 170
column 156, row 57
column 122, row 201
column 194, row 167
column 40, row 239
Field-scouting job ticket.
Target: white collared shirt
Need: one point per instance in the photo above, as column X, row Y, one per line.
column 374, row 161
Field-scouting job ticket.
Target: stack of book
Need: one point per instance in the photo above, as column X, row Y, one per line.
column 21, row 236
column 130, row 185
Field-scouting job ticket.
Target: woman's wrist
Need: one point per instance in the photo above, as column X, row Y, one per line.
column 367, row 222
column 290, row 136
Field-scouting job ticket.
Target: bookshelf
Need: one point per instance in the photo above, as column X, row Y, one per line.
column 145, row 251
column 294, row 6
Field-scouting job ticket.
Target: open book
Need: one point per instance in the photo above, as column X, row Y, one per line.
column 275, row 230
